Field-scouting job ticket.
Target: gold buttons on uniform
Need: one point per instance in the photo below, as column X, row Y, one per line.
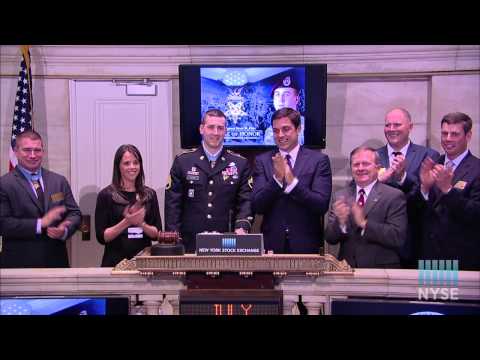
column 209, row 216
column 210, row 193
column 209, row 205
column 210, row 182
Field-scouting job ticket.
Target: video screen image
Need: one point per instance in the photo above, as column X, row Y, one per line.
column 249, row 96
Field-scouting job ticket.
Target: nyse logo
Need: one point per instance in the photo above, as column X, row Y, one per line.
column 229, row 243
column 437, row 280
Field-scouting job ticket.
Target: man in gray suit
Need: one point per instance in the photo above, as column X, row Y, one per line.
column 37, row 210
column 368, row 218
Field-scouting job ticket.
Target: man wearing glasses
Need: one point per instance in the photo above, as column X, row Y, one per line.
column 37, row 210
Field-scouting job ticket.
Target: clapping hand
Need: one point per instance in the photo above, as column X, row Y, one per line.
column 399, row 164
column 57, row 232
column 135, row 218
column 52, row 215
column 341, row 211
column 443, row 178
column 279, row 167
column 288, row 172
column 358, row 215
column 427, row 176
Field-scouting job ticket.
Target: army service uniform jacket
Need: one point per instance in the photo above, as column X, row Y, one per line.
column 199, row 197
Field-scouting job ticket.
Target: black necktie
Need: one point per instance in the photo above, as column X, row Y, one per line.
column 38, row 189
column 395, row 153
column 289, row 163
column 288, row 157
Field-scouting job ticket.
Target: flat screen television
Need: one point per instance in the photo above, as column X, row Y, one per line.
column 64, row 306
column 358, row 306
column 249, row 95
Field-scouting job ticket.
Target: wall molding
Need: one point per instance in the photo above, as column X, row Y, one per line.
column 162, row 61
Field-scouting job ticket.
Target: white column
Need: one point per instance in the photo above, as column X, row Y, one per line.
column 289, row 305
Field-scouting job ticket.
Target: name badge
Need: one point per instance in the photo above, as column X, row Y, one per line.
column 135, row 233
column 57, row 197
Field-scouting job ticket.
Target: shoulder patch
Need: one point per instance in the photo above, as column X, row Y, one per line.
column 187, row 151
column 235, row 154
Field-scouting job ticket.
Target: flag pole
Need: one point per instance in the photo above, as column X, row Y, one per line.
column 25, row 49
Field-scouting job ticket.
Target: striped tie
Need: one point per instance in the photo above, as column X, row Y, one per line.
column 38, row 190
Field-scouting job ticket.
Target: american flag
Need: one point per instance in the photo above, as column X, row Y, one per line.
column 22, row 115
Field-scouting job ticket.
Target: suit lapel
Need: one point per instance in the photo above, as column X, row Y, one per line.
column 460, row 172
column 47, row 190
column 300, row 162
column 411, row 157
column 269, row 164
column 26, row 185
column 372, row 199
column 462, row 169
column 384, row 160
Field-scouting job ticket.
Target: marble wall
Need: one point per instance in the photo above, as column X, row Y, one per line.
column 363, row 83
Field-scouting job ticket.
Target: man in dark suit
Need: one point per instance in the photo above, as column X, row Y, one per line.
column 291, row 189
column 401, row 160
column 209, row 188
column 368, row 218
column 37, row 210
column 449, row 197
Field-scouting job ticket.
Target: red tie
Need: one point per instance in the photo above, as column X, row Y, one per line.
column 361, row 198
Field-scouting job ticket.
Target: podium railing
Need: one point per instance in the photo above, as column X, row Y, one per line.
column 159, row 294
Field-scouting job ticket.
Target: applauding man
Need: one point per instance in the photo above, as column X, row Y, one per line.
column 368, row 218
column 401, row 159
column 291, row 189
column 449, row 197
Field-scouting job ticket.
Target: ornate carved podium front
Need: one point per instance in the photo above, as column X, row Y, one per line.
column 231, row 285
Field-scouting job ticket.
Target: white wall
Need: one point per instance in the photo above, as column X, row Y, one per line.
column 364, row 81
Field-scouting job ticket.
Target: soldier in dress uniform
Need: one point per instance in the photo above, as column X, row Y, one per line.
column 209, row 188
